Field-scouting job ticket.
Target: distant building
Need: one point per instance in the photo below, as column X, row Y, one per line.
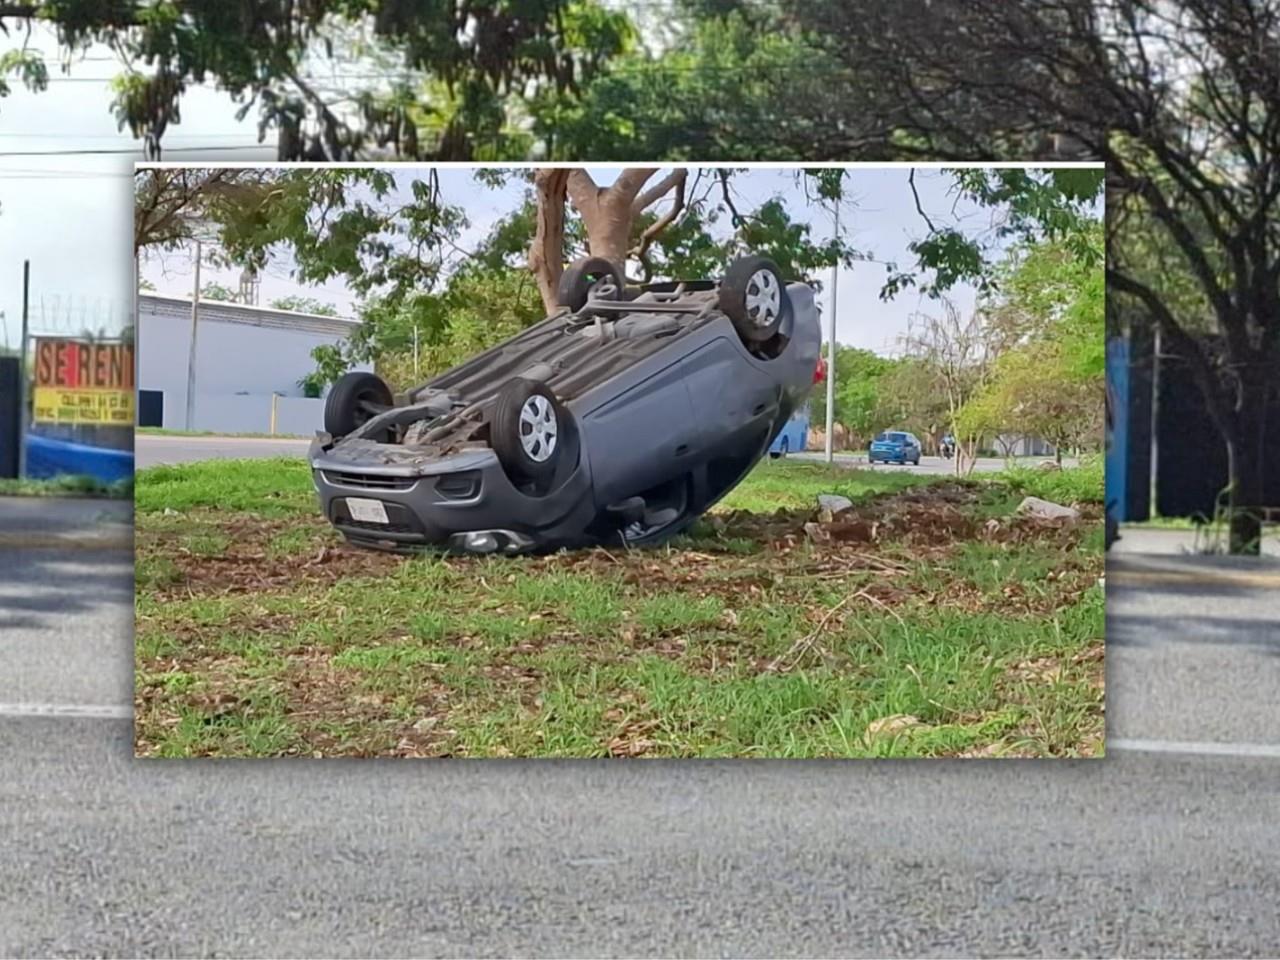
column 244, row 355
column 1010, row 445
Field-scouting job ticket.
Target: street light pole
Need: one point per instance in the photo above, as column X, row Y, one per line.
column 831, row 343
column 22, row 371
column 191, row 355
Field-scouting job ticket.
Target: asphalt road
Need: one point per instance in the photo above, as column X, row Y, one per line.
column 153, row 449
column 1166, row 847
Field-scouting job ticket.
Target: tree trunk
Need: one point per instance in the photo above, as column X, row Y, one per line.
column 546, row 252
column 1247, row 467
column 607, row 214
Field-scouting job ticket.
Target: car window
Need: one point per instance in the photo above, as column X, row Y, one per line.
column 898, row 437
column 881, row 437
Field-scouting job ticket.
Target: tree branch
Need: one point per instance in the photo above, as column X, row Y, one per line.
column 655, row 228
column 658, row 190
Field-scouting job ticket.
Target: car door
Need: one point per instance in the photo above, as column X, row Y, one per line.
column 641, row 437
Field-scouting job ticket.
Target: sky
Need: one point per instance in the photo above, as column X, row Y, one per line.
column 69, row 213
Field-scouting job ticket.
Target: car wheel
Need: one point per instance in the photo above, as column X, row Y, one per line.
column 754, row 297
column 355, row 399
column 584, row 276
column 526, row 430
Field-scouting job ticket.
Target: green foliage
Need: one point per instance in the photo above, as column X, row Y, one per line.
column 462, row 69
column 1048, row 323
column 1074, row 485
column 860, row 403
column 27, row 66
column 725, row 88
column 1054, row 205
column 300, row 304
column 216, row 291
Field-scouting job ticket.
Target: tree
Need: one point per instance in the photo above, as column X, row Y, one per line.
column 216, row 291
column 1032, row 392
column 457, row 70
column 1181, row 98
column 618, row 226
column 858, row 402
column 300, row 304
column 957, row 352
column 174, row 206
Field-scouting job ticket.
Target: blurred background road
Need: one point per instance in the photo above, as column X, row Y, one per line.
column 1165, row 847
column 154, row 449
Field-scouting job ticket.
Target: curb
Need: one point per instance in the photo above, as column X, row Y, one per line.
column 71, row 540
column 1243, row 578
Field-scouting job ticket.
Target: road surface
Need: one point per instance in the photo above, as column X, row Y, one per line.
column 154, row 449
column 1168, row 847
column 1153, row 540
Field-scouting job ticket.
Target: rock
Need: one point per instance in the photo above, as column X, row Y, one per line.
column 1047, row 510
column 170, row 512
column 817, row 533
column 894, row 724
column 1049, row 465
column 831, row 505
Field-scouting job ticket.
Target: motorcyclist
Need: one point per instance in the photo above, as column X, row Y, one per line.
column 948, row 445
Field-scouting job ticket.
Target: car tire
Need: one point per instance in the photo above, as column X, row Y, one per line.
column 754, row 297
column 346, row 409
column 578, row 280
column 527, row 430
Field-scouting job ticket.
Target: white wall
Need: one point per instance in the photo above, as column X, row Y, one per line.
column 242, row 356
column 251, row 413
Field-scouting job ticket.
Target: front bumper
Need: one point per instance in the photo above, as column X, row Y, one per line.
column 464, row 502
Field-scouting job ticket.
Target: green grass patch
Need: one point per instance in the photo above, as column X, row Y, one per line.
column 1072, row 485
column 275, row 487
column 67, row 485
column 724, row 644
column 790, row 485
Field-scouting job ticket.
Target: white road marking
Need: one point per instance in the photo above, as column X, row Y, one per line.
column 1199, row 748
column 68, row 710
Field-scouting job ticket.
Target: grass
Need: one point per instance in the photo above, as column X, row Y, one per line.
column 1082, row 484
column 66, row 485
column 259, row 634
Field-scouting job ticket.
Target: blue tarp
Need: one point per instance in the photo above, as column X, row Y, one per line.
column 1117, row 457
column 47, row 457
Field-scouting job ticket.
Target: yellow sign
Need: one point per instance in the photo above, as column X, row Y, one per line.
column 78, row 382
column 59, row 405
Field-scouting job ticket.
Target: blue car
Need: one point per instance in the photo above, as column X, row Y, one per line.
column 895, row 446
column 793, row 436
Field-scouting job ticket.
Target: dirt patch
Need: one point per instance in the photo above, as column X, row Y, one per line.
column 248, row 564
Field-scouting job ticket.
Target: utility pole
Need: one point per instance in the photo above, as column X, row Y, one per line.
column 831, row 344
column 191, row 356
column 1155, row 425
column 22, row 371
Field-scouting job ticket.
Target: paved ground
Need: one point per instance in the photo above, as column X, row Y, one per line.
column 88, row 522
column 153, row 449
column 1160, row 849
column 1139, row 539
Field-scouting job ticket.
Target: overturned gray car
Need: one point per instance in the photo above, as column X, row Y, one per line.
column 618, row 420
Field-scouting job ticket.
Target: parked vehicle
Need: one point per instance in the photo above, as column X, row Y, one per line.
column 620, row 418
column 895, row 446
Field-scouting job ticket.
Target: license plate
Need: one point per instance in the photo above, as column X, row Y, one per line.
column 367, row 511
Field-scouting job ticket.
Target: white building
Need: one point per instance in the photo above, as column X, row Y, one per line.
column 244, row 356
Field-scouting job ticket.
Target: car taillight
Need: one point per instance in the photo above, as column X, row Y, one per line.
column 820, row 371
